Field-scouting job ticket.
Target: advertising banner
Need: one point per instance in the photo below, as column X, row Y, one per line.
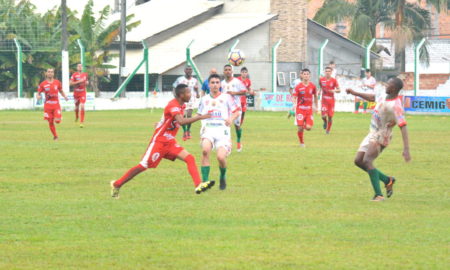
column 276, row 100
column 90, row 101
column 437, row 105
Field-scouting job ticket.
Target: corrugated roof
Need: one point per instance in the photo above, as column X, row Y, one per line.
column 157, row 16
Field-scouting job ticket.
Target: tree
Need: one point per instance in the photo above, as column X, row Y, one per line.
column 408, row 22
column 97, row 39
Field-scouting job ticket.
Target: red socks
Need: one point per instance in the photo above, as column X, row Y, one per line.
column 329, row 123
column 81, row 115
column 129, row 175
column 192, row 168
column 52, row 129
column 300, row 136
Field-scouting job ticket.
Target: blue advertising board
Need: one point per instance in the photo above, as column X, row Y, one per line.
column 276, row 100
column 437, row 105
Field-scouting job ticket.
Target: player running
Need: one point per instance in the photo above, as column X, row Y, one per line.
column 52, row 110
column 237, row 89
column 192, row 83
column 328, row 86
column 387, row 113
column 79, row 80
column 303, row 96
column 215, row 132
column 368, row 86
column 245, row 79
column 164, row 145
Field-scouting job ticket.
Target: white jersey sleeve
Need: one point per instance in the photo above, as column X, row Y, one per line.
column 177, row 81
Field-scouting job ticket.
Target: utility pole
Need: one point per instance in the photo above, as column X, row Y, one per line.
column 64, row 51
column 123, row 33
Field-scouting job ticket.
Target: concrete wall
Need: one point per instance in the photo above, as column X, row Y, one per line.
column 254, row 44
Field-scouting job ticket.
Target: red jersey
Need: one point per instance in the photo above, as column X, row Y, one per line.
column 305, row 95
column 247, row 82
column 51, row 90
column 77, row 76
column 327, row 85
column 167, row 128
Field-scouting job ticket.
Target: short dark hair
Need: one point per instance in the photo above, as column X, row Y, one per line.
column 228, row 65
column 329, row 68
column 213, row 76
column 180, row 89
column 398, row 83
column 331, row 62
column 244, row 69
column 367, row 70
column 306, row 70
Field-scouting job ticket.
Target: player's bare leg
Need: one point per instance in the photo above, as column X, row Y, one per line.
column 193, row 171
column 188, row 126
column 222, row 154
column 81, row 114
column 206, row 165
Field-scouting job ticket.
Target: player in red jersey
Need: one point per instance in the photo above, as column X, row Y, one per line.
column 52, row 110
column 164, row 145
column 304, row 94
column 79, row 80
column 328, row 86
column 244, row 78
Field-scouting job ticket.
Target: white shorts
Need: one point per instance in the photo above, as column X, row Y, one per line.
column 218, row 135
column 193, row 103
column 374, row 137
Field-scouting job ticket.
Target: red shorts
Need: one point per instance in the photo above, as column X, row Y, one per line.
column 159, row 150
column 328, row 107
column 244, row 106
column 79, row 97
column 304, row 118
column 52, row 111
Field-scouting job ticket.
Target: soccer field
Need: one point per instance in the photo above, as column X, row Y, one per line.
column 286, row 207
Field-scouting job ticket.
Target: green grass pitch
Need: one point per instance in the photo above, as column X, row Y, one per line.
column 285, row 207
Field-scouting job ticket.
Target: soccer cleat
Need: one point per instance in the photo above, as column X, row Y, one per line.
column 327, row 132
column 356, row 112
column 184, row 136
column 377, row 198
column 223, row 184
column 389, row 186
column 302, row 145
column 81, row 125
column 204, row 186
column 55, row 138
column 239, row 147
column 114, row 190
column 188, row 135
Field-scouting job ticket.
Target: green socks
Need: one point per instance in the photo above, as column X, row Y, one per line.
column 357, row 106
column 223, row 172
column 188, row 128
column 365, row 105
column 205, row 173
column 239, row 135
column 375, row 180
column 184, row 128
column 384, row 178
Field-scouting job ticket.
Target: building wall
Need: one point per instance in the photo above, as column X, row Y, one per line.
column 254, row 44
column 291, row 27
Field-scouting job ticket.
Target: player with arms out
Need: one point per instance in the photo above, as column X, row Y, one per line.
column 328, row 86
column 234, row 87
column 79, row 80
column 163, row 143
column 192, row 83
column 215, row 132
column 304, row 94
column 387, row 113
column 51, row 87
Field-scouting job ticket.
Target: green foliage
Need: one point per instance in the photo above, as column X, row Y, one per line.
column 40, row 37
column 286, row 207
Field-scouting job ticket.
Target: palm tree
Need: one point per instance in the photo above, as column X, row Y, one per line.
column 409, row 22
column 97, row 39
